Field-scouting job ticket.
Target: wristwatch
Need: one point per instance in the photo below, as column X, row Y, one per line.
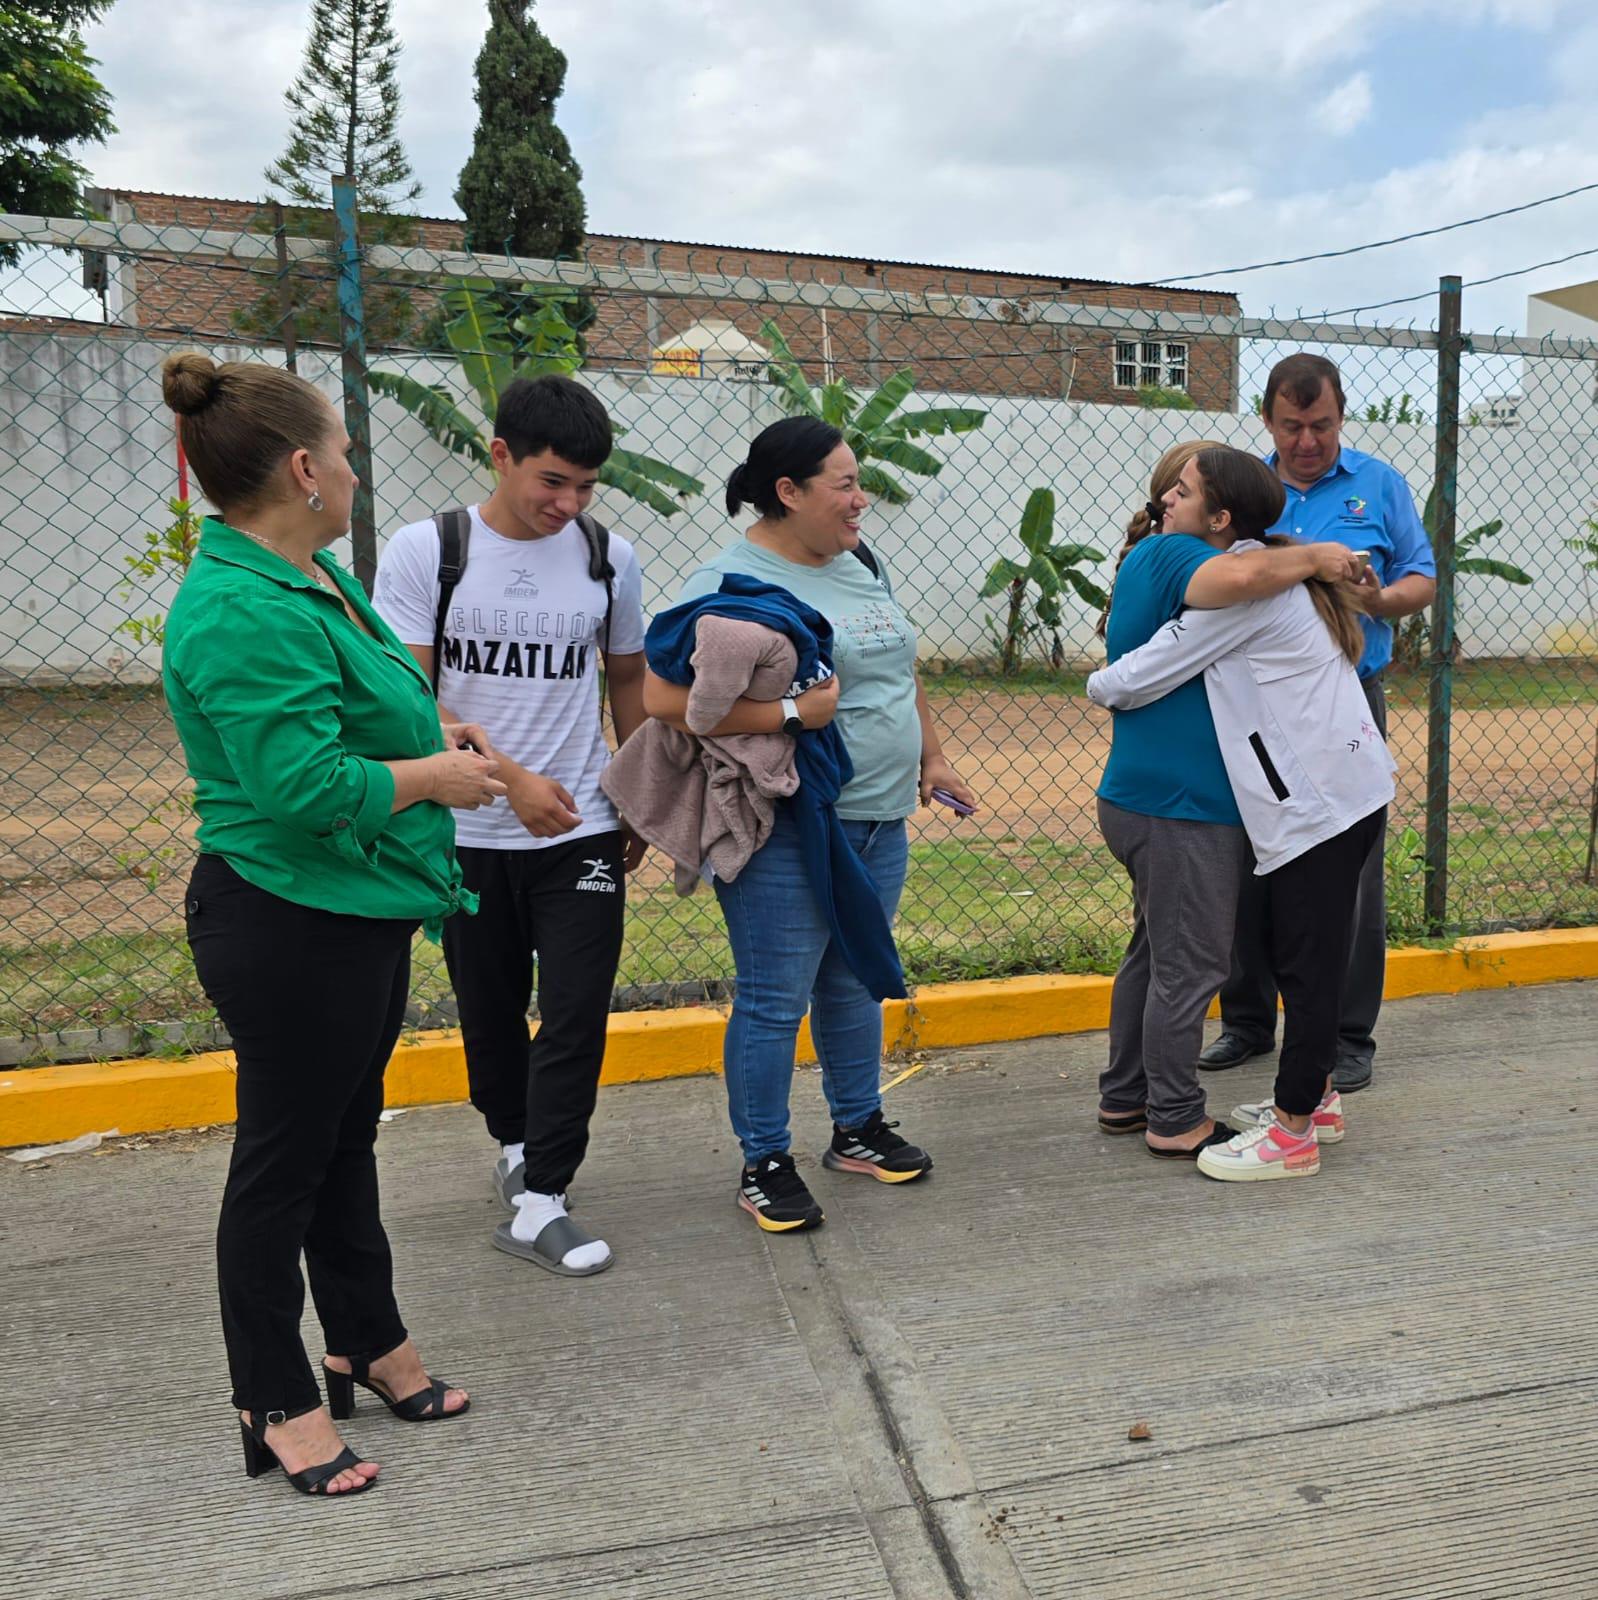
column 790, row 717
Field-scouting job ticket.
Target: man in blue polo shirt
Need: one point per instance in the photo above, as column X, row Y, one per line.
column 1341, row 494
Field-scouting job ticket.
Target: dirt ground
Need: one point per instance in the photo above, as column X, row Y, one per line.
column 95, row 837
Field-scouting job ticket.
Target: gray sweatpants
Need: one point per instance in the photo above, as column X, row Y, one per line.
column 1185, row 878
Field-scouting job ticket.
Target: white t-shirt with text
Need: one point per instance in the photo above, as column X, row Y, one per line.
column 521, row 656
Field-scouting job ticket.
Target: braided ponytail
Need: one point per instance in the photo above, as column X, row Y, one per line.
column 1148, row 517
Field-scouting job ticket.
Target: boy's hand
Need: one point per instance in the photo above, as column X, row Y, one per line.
column 545, row 808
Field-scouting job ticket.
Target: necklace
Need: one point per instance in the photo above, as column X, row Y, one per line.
column 313, row 571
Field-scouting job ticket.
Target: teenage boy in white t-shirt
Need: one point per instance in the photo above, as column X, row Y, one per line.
column 525, row 635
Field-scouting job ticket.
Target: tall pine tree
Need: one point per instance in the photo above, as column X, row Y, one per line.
column 346, row 104
column 346, row 108
column 50, row 100
column 520, row 187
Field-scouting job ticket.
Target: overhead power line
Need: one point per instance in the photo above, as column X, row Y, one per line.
column 1375, row 244
column 1474, row 283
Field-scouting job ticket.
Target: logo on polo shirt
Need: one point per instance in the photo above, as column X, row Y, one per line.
column 1354, row 506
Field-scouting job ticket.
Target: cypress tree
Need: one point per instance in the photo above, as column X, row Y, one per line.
column 519, row 189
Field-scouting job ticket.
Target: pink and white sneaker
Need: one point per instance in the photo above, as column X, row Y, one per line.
column 1266, row 1151
column 1327, row 1117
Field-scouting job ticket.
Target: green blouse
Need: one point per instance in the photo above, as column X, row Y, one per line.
column 287, row 711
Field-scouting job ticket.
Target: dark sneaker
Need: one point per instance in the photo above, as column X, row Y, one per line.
column 875, row 1149
column 1232, row 1050
column 774, row 1194
column 1351, row 1074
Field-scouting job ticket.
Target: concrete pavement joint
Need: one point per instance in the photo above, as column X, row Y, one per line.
column 325, row 1591
column 1304, row 1430
column 941, row 1487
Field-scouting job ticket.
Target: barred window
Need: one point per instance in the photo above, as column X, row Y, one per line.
column 1150, row 361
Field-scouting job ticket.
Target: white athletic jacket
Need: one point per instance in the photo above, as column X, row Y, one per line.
column 1304, row 758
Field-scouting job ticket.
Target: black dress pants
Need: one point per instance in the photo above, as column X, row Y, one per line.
column 561, row 905
column 1311, row 914
column 313, row 1001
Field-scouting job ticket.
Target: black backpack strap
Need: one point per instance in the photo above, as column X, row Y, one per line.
column 863, row 554
column 599, row 567
column 454, row 540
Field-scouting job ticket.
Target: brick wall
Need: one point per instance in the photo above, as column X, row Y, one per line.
column 173, row 295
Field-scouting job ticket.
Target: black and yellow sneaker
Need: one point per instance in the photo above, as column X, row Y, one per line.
column 875, row 1149
column 774, row 1194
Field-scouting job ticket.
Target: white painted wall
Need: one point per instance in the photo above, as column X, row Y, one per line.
column 1558, row 394
column 87, row 462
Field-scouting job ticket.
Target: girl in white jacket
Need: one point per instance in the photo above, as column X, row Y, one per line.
column 1311, row 776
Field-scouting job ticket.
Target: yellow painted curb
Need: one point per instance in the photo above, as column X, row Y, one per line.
column 40, row 1105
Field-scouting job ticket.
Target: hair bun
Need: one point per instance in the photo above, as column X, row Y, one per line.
column 190, row 382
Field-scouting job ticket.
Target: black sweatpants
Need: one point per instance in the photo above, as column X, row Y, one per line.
column 1310, row 904
column 313, row 1001
column 560, row 906
column 1248, row 997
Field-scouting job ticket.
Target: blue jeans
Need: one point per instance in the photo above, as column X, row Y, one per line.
column 785, row 960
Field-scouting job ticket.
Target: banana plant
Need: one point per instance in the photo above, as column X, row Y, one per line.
column 493, row 353
column 1050, row 569
column 1413, row 637
column 875, row 429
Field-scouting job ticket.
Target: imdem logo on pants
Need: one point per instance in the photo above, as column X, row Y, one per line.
column 598, row 879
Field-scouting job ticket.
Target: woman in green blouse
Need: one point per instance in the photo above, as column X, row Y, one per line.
column 323, row 783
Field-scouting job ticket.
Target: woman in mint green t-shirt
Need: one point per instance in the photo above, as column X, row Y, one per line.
column 805, row 483
column 323, row 785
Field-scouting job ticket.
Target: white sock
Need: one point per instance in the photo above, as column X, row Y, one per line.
column 513, row 1154
column 534, row 1213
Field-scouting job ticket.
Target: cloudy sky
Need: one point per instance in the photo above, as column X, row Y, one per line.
column 1122, row 139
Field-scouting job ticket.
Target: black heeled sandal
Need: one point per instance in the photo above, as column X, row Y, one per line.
column 259, row 1457
column 426, row 1405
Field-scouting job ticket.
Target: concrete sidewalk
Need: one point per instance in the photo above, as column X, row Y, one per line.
column 1378, row 1383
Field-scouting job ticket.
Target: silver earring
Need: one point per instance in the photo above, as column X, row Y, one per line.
column 316, row 502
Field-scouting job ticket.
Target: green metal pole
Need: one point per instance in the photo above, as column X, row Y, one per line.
column 357, row 410
column 1440, row 686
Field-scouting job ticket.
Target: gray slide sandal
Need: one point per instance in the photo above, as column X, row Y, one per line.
column 558, row 1236
column 508, row 1182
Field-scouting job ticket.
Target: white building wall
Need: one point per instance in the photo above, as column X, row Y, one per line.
column 89, row 462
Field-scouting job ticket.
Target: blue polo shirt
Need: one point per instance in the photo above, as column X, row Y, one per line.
column 1365, row 504
column 1165, row 760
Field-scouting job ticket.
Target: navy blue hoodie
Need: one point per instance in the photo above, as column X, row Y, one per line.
column 838, row 878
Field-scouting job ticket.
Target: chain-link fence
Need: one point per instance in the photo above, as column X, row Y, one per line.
column 1010, row 424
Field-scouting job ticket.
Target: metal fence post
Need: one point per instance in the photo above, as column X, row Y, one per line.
column 285, row 291
column 1440, row 685
column 357, row 410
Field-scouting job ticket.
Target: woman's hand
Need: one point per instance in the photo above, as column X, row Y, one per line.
column 818, row 706
column 936, row 773
column 1333, row 562
column 468, row 736
column 463, row 780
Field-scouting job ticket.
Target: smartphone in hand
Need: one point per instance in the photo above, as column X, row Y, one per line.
column 953, row 802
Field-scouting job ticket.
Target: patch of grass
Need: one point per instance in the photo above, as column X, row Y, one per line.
column 1494, row 685
column 977, row 908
